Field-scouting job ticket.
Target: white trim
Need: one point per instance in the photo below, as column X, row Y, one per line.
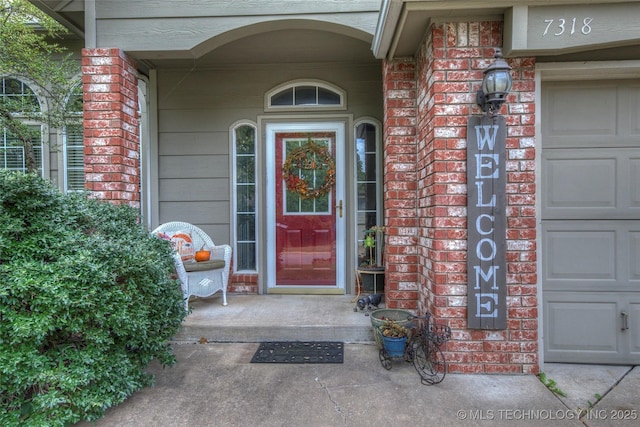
column 538, row 209
column 144, row 151
column 589, row 70
column 339, row 127
column 388, row 19
column 153, row 153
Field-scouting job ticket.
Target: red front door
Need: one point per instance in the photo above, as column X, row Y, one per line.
column 306, row 210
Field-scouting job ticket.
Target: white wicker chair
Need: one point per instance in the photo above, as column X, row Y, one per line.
column 196, row 278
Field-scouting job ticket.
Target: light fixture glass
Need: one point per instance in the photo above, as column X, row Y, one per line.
column 496, row 85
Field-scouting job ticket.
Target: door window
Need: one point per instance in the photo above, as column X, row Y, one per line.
column 309, row 175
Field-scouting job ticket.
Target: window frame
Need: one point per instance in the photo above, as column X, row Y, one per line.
column 234, row 196
column 318, row 84
column 379, row 210
column 43, row 168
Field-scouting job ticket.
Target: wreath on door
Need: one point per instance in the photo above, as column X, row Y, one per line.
column 309, row 157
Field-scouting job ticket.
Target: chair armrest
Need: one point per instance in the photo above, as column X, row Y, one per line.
column 182, row 273
column 222, row 252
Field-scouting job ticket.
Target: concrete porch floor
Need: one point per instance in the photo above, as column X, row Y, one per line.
column 215, row 384
column 255, row 318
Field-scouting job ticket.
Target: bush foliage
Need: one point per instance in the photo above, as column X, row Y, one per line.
column 87, row 300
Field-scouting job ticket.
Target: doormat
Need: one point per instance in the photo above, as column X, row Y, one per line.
column 299, row 352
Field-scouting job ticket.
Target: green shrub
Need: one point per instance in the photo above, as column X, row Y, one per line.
column 87, row 300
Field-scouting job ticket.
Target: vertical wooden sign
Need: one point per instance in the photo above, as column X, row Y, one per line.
column 486, row 209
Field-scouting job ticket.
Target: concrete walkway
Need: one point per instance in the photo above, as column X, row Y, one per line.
column 214, row 384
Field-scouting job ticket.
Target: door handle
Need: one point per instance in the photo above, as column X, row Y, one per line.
column 339, row 207
column 625, row 320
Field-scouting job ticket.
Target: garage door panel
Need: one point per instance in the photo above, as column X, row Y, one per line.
column 634, row 110
column 634, row 188
column 590, row 114
column 566, row 106
column 591, row 183
column 578, row 329
column 597, row 178
column 634, row 254
column 634, row 327
column 589, row 255
column 576, row 254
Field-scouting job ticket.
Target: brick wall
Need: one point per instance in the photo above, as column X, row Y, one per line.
column 431, row 229
column 400, row 185
column 111, row 126
column 241, row 283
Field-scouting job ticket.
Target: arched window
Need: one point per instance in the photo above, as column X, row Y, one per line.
column 244, row 194
column 307, row 95
column 73, row 151
column 21, row 101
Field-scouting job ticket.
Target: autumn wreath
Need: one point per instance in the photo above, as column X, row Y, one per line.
column 309, row 157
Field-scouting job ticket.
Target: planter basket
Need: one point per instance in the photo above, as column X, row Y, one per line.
column 402, row 317
column 394, row 346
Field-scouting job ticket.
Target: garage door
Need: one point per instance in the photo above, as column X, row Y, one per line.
column 590, row 200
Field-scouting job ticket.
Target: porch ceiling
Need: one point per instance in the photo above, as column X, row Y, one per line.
column 273, row 47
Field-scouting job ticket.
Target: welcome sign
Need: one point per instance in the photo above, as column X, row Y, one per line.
column 486, row 209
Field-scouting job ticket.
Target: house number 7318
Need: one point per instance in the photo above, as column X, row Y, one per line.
column 560, row 26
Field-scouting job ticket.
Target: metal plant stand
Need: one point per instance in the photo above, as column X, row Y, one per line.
column 422, row 348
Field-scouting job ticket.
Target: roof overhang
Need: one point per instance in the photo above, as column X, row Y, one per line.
column 69, row 13
column 402, row 24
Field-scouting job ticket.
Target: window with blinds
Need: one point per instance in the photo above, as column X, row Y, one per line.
column 19, row 98
column 73, row 158
column 73, row 151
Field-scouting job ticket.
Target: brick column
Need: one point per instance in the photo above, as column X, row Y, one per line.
column 401, row 261
column 450, row 70
column 111, row 126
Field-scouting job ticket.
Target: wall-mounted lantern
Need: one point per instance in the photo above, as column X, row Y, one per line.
column 496, row 85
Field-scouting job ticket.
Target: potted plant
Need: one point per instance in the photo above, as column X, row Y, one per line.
column 371, row 260
column 394, row 337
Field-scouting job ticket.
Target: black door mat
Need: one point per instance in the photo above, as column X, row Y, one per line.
column 299, row 352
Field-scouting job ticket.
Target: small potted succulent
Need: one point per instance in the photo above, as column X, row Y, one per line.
column 394, row 337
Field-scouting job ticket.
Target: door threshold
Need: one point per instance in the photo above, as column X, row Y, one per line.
column 306, row 291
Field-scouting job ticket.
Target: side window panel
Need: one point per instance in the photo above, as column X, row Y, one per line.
column 368, row 183
column 244, row 146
